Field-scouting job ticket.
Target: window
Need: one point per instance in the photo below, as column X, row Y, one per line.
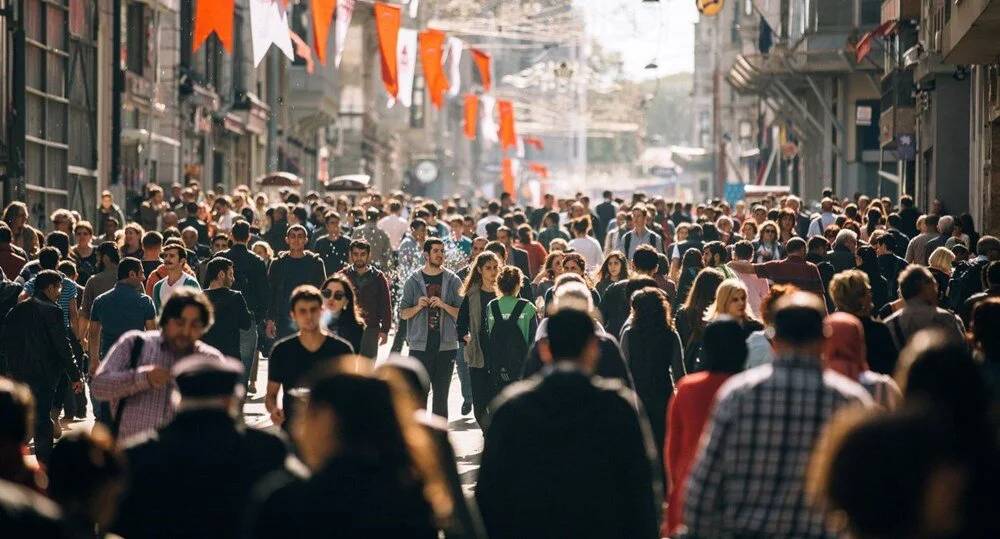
column 135, row 44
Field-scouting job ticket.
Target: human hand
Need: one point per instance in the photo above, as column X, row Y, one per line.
column 383, row 338
column 158, row 377
column 277, row 416
column 435, row 302
column 271, row 329
column 423, row 301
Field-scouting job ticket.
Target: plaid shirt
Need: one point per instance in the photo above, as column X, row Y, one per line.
column 147, row 408
column 749, row 476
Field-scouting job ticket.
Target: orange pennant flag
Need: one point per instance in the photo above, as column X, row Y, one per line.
column 322, row 14
column 508, row 135
column 508, row 176
column 213, row 16
column 471, row 115
column 302, row 51
column 387, row 21
column 535, row 143
column 431, row 51
column 483, row 63
column 540, row 169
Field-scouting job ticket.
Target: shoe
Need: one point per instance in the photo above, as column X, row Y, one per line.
column 252, row 389
column 466, row 407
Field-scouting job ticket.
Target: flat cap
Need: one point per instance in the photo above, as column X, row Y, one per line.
column 201, row 376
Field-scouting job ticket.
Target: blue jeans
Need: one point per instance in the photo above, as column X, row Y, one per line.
column 463, row 372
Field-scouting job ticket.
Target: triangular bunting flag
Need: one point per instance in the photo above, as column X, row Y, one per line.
column 508, row 135
column 345, row 9
column 406, row 64
column 484, row 64
column 387, row 21
column 213, row 16
column 534, row 142
column 455, row 47
column 471, row 115
column 269, row 25
column 431, row 54
column 540, row 169
column 322, row 15
column 489, row 130
column 507, row 175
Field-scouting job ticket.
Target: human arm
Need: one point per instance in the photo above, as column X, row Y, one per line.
column 94, row 346
column 411, row 304
column 59, row 339
column 271, row 403
column 114, row 378
column 462, row 322
column 243, row 312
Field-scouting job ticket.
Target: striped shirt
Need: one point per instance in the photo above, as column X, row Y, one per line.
column 147, row 408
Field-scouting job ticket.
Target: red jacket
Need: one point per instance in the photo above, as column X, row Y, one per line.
column 688, row 414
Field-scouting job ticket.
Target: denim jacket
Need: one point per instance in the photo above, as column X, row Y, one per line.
column 416, row 327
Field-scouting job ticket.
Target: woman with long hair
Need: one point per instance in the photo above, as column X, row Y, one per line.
column 551, row 269
column 132, row 241
column 786, row 225
column 653, row 352
column 767, row 246
column 341, row 314
column 874, row 220
column 731, row 301
column 690, row 319
column 692, row 262
column 613, row 269
column 374, row 472
column 477, row 292
column 940, row 265
column 844, row 352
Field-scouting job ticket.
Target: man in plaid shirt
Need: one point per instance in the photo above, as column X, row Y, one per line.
column 749, row 477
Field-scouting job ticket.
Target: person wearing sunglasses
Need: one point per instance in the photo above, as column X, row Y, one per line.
column 341, row 314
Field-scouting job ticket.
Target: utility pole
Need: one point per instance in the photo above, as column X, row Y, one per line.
column 117, row 88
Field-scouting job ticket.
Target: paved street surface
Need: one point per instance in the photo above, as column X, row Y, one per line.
column 465, row 434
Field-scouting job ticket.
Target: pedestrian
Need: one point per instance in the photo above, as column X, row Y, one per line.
column 341, row 314
column 842, row 257
column 757, row 287
column 510, row 328
column 224, row 334
column 844, row 352
column 333, row 247
column 38, row 352
column 381, row 250
column 613, row 269
column 294, row 356
column 174, row 260
column 690, row 318
column 690, row 409
column 82, row 253
column 393, row 223
column 890, row 264
column 373, row 298
column 551, row 270
column 287, row 272
column 640, row 234
column 991, row 278
column 108, row 210
column 986, row 342
column 478, row 291
column 135, row 374
column 373, row 473
column 916, row 251
column 12, row 258
column 23, row 235
column 767, row 246
column 152, row 246
column 86, row 476
column 195, row 477
column 131, row 241
column 852, row 294
column 602, row 443
column 748, row 406
column 918, row 290
column 572, row 263
column 550, row 230
column 585, row 244
column 430, row 303
column 17, row 411
column 691, row 265
column 249, row 279
column 939, row 263
column 514, row 255
column 654, row 355
column 793, row 269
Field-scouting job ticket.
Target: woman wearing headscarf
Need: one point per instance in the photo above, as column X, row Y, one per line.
column 723, row 355
column 844, row 352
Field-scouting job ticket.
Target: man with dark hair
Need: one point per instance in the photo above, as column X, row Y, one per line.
column 694, row 241
column 715, row 255
column 289, row 271
column 152, row 246
column 640, row 234
column 752, row 410
column 294, row 356
column 430, row 302
column 333, row 247
column 899, row 239
column 550, row 230
column 908, row 215
column 225, row 333
column 174, row 257
column 381, row 249
column 194, row 222
column 606, row 212
column 794, row 269
column 992, row 281
column 591, row 423
column 393, row 224
column 135, row 376
column 516, row 257
column 538, row 214
column 205, row 444
column 249, row 279
column 372, row 289
column 919, row 291
column 492, row 216
column 969, row 278
column 39, row 354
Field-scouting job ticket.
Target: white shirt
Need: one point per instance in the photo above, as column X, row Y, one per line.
column 395, row 227
column 590, row 249
column 225, row 222
column 481, row 225
column 167, row 289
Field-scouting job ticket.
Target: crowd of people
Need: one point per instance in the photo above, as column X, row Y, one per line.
column 638, row 367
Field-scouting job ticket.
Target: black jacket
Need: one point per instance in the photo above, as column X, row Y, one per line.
column 195, row 223
column 251, row 278
column 194, row 477
column 842, row 259
column 891, row 265
column 284, row 279
column 881, row 349
column 610, row 363
column 36, row 343
column 519, row 259
column 567, row 455
column 606, row 213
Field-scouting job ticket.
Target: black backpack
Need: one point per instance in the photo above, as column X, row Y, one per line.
column 507, row 346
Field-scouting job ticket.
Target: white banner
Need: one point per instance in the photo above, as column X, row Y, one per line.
column 342, row 21
column 454, row 50
column 488, row 105
column 406, row 64
column 269, row 25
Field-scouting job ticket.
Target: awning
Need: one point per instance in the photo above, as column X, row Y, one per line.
column 864, row 45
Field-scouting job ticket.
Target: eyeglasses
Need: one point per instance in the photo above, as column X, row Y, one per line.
column 328, row 293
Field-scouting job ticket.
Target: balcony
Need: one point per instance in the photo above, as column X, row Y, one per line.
column 970, row 35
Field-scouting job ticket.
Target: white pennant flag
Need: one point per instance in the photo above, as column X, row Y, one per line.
column 489, row 124
column 406, row 65
column 269, row 25
column 414, row 8
column 342, row 21
column 454, row 48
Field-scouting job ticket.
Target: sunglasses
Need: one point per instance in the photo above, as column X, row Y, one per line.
column 338, row 295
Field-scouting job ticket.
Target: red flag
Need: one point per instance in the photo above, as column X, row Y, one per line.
column 302, row 51
column 864, row 45
column 387, row 21
column 535, row 143
column 508, row 135
column 431, row 51
column 540, row 169
column 483, row 62
column 322, row 14
column 508, row 175
column 213, row 16
column 471, row 115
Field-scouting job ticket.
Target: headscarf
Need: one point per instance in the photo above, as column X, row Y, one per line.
column 844, row 349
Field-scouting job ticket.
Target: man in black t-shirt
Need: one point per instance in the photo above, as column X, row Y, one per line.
column 294, row 356
column 333, row 248
column 231, row 306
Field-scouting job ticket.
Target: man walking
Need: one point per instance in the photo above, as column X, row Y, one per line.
column 372, row 296
column 378, row 240
column 431, row 299
column 225, row 332
column 39, row 353
column 290, row 270
column 174, row 256
column 333, row 247
column 774, row 413
column 135, row 375
column 249, row 279
column 919, row 291
column 639, row 235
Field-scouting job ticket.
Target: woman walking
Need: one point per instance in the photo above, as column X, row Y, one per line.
column 479, row 290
